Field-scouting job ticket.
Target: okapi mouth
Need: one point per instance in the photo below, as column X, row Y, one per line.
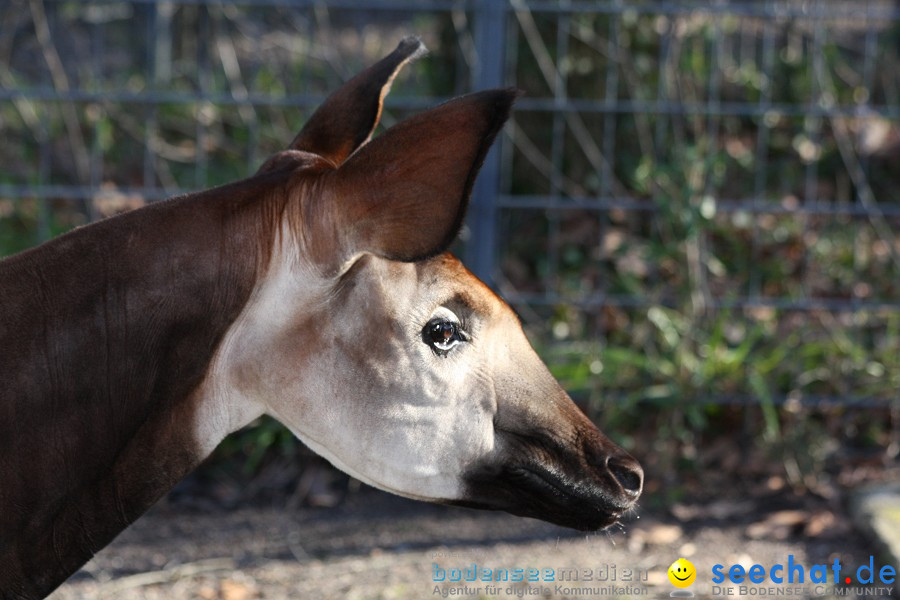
column 529, row 492
column 565, row 492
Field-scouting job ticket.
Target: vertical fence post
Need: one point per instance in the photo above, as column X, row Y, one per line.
column 490, row 37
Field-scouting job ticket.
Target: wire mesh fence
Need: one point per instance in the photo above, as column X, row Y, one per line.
column 692, row 201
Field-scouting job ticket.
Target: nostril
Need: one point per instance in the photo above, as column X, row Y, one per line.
column 628, row 473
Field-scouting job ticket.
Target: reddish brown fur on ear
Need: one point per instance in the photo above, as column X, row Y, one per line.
column 403, row 195
column 349, row 116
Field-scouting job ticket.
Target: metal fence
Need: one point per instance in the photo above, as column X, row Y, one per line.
column 736, row 163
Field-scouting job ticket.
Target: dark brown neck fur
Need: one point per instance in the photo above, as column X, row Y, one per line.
column 104, row 335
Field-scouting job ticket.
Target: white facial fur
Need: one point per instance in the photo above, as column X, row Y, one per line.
column 344, row 364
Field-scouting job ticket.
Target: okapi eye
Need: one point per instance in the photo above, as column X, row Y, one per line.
column 443, row 335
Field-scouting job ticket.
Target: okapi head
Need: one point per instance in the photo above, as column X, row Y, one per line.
column 318, row 291
column 388, row 357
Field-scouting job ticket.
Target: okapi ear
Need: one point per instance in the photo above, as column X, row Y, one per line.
column 347, row 118
column 403, row 195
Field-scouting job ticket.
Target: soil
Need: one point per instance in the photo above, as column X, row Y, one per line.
column 373, row 545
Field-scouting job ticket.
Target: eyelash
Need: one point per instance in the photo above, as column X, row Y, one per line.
column 464, row 326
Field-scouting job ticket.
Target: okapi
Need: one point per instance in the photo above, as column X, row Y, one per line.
column 318, row 291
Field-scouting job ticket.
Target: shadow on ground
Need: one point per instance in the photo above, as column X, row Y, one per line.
column 378, row 546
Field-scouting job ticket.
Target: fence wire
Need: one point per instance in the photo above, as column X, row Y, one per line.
column 680, row 180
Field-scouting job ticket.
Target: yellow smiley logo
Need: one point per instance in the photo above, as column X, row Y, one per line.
column 682, row 573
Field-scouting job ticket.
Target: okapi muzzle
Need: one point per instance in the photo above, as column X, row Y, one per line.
column 318, row 291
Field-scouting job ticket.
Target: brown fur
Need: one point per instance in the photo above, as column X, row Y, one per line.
column 347, row 119
column 106, row 331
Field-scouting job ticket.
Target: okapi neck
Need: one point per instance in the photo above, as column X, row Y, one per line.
column 105, row 335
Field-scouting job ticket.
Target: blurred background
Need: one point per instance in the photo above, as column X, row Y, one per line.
column 695, row 207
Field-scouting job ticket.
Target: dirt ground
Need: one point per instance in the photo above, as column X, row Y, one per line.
column 378, row 546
